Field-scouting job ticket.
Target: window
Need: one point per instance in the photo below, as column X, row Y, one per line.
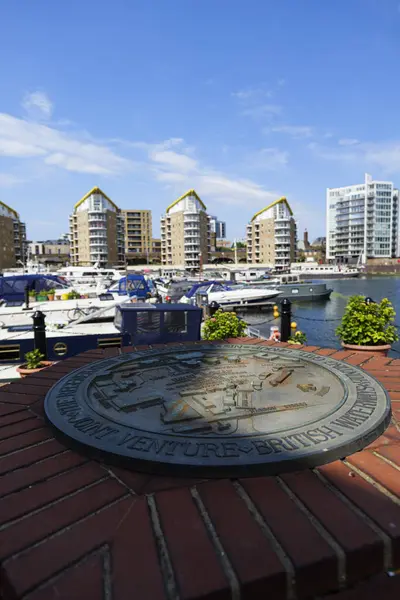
column 49, row 284
column 19, row 286
column 175, row 321
column 216, row 287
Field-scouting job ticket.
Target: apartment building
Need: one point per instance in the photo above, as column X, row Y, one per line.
column 97, row 231
column 20, row 241
column 362, row 221
column 12, row 238
column 138, row 233
column 271, row 236
column 49, row 251
column 185, row 233
column 156, row 250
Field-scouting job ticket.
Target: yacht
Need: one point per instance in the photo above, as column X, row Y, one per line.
column 88, row 277
column 313, row 270
column 15, row 313
column 229, row 296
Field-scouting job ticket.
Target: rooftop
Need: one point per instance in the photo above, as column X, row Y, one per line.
column 188, row 193
column 282, row 200
column 95, row 190
column 10, row 209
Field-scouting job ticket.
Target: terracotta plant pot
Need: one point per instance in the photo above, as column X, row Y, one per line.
column 24, row 372
column 378, row 350
column 50, row 297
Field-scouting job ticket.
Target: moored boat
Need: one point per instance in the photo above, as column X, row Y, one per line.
column 226, row 295
column 313, row 270
column 65, row 309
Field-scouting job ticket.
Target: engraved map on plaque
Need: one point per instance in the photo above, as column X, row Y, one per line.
column 220, row 409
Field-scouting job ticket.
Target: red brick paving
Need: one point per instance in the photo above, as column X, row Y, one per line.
column 74, row 528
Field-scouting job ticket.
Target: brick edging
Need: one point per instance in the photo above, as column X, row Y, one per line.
column 68, row 523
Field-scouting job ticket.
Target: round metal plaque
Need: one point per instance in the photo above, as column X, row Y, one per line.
column 220, row 410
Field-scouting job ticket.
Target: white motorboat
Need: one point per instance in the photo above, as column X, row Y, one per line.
column 101, row 307
column 225, row 295
column 88, row 277
column 61, row 312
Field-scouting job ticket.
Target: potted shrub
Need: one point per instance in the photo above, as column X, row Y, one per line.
column 34, row 363
column 32, row 294
column 223, row 325
column 41, row 296
column 73, row 295
column 367, row 326
column 298, row 339
column 51, row 294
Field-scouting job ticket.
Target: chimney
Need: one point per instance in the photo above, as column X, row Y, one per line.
column 305, row 240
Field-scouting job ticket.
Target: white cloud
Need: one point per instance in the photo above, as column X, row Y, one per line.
column 262, row 111
column 348, row 142
column 269, row 158
column 179, row 162
column 334, row 154
column 185, row 171
column 249, row 94
column 22, row 138
column 38, row 104
column 295, row 131
column 8, row 180
column 218, row 187
column 15, row 147
column 170, row 177
column 170, row 161
column 384, row 155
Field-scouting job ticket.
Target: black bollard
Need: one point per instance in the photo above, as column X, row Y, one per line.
column 39, row 332
column 26, row 307
column 286, row 318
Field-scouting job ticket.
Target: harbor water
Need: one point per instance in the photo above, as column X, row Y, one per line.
column 318, row 320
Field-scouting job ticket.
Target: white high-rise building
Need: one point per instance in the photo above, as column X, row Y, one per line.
column 362, row 221
column 218, row 228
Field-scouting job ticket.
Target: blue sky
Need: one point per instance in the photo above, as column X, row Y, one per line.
column 244, row 101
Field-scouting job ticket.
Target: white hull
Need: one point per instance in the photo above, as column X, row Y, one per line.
column 238, row 296
column 60, row 312
column 242, row 296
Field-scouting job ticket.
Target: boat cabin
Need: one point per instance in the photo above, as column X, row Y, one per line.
column 132, row 285
column 12, row 288
column 159, row 324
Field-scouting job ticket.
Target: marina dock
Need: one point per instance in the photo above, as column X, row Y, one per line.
column 74, row 523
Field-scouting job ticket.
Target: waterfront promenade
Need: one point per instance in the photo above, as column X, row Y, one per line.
column 76, row 528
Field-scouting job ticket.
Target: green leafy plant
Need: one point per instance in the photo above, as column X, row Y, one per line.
column 34, row 359
column 32, row 294
column 367, row 324
column 298, row 338
column 223, row 325
column 73, row 295
column 51, row 292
